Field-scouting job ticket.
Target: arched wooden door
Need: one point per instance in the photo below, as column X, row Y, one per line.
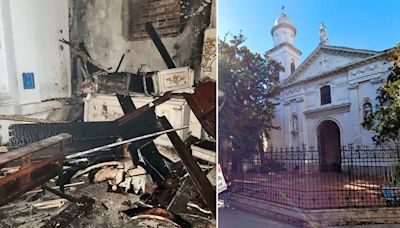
column 329, row 146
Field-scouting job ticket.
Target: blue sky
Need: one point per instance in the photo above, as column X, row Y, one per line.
column 366, row 24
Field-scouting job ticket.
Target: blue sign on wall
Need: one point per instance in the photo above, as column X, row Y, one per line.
column 29, row 80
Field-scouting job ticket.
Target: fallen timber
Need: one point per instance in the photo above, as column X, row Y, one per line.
column 31, row 175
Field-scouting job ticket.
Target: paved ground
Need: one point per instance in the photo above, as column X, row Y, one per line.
column 230, row 217
column 370, row 226
column 316, row 190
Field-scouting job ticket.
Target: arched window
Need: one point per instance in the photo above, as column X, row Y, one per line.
column 325, row 92
column 292, row 68
column 367, row 109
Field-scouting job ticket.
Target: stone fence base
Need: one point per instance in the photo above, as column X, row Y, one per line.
column 317, row 218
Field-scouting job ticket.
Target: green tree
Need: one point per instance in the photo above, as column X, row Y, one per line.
column 385, row 120
column 249, row 81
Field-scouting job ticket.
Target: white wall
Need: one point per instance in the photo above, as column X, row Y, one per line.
column 349, row 90
column 31, row 29
column 29, row 34
column 37, row 26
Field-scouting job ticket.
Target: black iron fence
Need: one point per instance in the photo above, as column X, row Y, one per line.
column 309, row 178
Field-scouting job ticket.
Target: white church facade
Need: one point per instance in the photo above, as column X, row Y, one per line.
column 323, row 100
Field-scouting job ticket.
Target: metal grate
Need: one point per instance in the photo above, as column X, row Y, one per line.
column 293, row 176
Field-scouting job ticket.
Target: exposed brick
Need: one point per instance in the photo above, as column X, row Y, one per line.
column 163, row 14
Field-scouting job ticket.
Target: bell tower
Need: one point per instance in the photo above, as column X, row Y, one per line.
column 284, row 51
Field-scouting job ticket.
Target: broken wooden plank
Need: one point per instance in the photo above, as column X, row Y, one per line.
column 203, row 154
column 29, row 169
column 50, row 204
column 203, row 104
column 31, row 175
column 26, row 119
column 204, row 186
column 32, row 148
column 13, row 190
column 134, row 114
column 144, row 123
column 126, row 103
column 160, row 46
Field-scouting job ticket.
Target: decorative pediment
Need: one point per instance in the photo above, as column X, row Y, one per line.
column 326, row 58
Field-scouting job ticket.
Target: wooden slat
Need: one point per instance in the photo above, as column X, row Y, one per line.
column 32, row 148
column 51, row 171
column 27, row 119
column 200, row 180
column 137, row 112
column 29, row 169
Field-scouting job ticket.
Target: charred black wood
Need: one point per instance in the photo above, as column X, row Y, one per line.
column 140, row 122
column 154, row 163
column 164, row 193
column 65, row 196
column 160, row 46
column 188, row 193
column 120, row 62
column 126, row 103
column 124, row 82
column 71, row 213
column 208, row 145
column 191, row 140
column 203, row 104
column 132, row 115
column 204, row 186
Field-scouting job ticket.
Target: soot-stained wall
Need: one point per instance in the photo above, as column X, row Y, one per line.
column 110, row 29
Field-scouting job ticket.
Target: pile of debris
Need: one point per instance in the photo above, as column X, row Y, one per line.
column 111, row 173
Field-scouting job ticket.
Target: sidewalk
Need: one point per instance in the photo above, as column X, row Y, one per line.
column 230, row 217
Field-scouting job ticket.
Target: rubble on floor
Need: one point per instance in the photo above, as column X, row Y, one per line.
column 145, row 188
column 111, row 173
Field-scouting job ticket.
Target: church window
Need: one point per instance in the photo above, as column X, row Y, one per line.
column 367, row 109
column 292, row 68
column 325, row 95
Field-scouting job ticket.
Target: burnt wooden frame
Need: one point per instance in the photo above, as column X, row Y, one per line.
column 22, row 180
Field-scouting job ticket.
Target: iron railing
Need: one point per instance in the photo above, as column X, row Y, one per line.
column 361, row 177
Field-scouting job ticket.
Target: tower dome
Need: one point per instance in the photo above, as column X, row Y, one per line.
column 283, row 30
column 283, row 19
column 284, row 52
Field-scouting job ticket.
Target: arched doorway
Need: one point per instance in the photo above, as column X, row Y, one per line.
column 329, row 146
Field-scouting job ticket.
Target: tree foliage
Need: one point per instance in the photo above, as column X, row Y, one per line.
column 385, row 120
column 249, row 81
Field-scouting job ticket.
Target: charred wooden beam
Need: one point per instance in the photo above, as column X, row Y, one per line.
column 134, row 114
column 140, row 122
column 204, row 186
column 160, row 46
column 203, row 104
column 126, row 103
